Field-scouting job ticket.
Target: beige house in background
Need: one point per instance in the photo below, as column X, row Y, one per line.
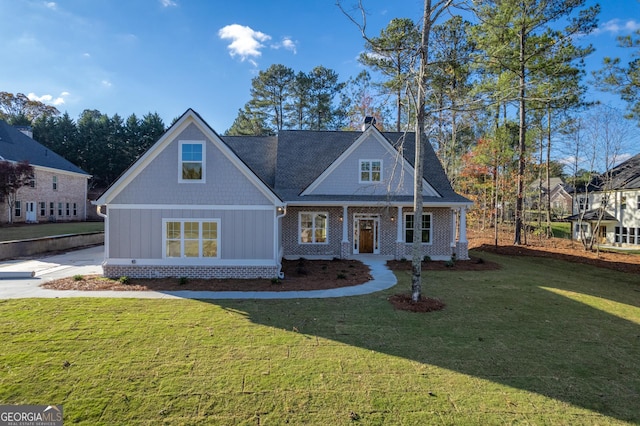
column 58, row 191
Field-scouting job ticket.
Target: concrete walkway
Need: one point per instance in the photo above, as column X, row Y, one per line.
column 88, row 262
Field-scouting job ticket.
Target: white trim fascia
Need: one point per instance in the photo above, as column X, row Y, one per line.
column 175, row 261
column 189, row 207
column 169, row 136
column 370, row 131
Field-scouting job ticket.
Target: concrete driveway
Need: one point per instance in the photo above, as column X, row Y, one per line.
column 88, row 262
column 47, row 268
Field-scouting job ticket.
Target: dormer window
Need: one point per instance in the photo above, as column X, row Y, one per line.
column 370, row 171
column 192, row 164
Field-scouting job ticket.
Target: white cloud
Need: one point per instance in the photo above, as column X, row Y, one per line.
column 49, row 99
column 168, row 3
column 106, row 83
column 286, row 44
column 245, row 42
column 50, row 5
column 616, row 26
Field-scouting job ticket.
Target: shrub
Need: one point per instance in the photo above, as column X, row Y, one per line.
column 183, row 281
column 426, row 258
column 124, row 280
column 342, row 275
column 78, row 277
column 276, row 281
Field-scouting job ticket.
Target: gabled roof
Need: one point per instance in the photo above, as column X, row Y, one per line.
column 294, row 159
column 16, row 146
column 188, row 117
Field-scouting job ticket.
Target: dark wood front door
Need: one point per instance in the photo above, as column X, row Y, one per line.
column 366, row 236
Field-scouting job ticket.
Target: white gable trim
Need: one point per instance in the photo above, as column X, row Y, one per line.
column 189, row 117
column 371, row 131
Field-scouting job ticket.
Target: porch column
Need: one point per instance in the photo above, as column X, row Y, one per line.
column 453, row 227
column 463, row 225
column 399, row 219
column 345, row 225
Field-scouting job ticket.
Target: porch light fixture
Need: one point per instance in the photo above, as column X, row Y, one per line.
column 393, row 218
column 340, row 218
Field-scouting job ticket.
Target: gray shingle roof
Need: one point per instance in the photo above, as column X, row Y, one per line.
column 16, row 146
column 277, row 161
column 626, row 175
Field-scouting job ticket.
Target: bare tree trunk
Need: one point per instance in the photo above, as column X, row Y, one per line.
column 521, row 142
column 416, row 258
column 548, row 198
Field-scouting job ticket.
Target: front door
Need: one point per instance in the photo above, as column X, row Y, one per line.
column 366, row 234
column 31, row 211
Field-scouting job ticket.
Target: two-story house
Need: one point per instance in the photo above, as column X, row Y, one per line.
column 58, row 191
column 610, row 206
column 198, row 204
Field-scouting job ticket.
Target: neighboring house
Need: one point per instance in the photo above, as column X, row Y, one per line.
column 559, row 195
column 610, row 203
column 198, row 204
column 58, row 191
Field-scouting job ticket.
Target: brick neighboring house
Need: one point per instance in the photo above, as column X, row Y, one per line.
column 58, row 191
column 198, row 204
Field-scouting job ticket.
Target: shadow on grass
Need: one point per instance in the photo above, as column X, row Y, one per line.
column 565, row 331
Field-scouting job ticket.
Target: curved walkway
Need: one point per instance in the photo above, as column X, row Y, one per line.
column 88, row 261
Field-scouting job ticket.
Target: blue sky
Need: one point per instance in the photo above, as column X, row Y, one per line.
column 139, row 56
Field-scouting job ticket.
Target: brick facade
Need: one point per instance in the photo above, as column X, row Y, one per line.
column 67, row 201
column 440, row 248
column 174, row 271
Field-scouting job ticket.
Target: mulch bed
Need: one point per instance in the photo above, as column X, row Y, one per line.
column 473, row 264
column 404, row 302
column 300, row 275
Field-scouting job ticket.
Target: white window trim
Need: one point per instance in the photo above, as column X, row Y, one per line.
column 313, row 229
column 204, row 162
column 404, row 228
column 370, row 181
column 182, row 221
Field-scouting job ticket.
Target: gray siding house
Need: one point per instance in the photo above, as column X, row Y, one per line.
column 58, row 191
column 198, row 204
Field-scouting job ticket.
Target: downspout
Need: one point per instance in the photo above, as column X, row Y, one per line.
column 278, row 239
column 106, row 230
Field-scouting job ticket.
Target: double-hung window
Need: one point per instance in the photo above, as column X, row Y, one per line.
column 18, row 209
column 409, row 227
column 192, row 164
column 370, row 171
column 191, row 238
column 313, row 227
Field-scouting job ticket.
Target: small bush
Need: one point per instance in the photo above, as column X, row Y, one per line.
column 301, row 270
column 78, row 277
column 183, row 281
column 123, row 280
column 449, row 263
column 403, row 259
column 276, row 281
column 426, row 258
column 342, row 276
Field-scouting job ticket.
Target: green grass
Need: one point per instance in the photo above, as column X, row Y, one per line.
column 561, row 229
column 537, row 342
column 27, row 231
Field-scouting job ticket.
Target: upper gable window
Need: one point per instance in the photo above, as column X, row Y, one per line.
column 370, row 171
column 192, row 164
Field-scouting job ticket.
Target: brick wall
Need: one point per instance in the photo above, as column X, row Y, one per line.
column 71, row 189
column 140, row 271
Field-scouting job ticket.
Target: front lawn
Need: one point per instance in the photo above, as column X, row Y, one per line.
column 38, row 230
column 539, row 341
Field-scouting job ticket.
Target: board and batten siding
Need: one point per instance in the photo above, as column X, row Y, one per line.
column 224, row 183
column 243, row 234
